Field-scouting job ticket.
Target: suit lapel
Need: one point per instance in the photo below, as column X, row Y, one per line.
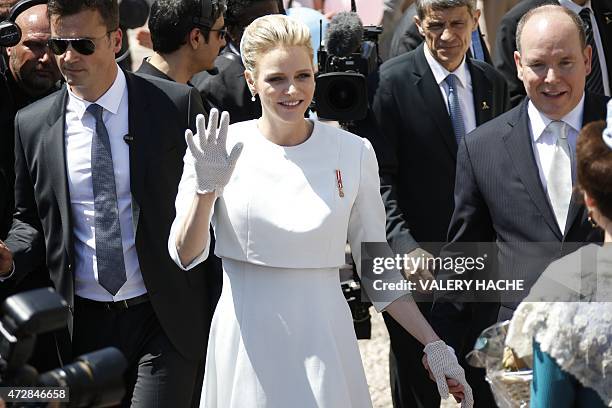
column 139, row 128
column 429, row 91
column 519, row 146
column 482, row 92
column 55, row 158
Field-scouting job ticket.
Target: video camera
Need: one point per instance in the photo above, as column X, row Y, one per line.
column 349, row 56
column 93, row 380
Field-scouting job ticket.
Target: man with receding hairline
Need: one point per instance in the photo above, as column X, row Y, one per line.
column 515, row 173
column 597, row 18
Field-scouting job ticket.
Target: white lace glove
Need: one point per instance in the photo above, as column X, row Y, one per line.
column 443, row 364
column 213, row 167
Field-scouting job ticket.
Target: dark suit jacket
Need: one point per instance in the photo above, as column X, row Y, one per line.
column 406, row 36
column 159, row 113
column 228, row 90
column 505, row 43
column 416, row 146
column 499, row 198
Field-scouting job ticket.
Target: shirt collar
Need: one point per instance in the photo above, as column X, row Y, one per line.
column 110, row 100
column 570, row 5
column 440, row 73
column 539, row 121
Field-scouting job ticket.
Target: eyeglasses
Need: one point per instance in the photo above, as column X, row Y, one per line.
column 222, row 32
column 84, row 46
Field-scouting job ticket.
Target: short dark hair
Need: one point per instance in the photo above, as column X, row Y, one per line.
column 237, row 16
column 548, row 8
column 108, row 9
column 422, row 6
column 171, row 21
column 594, row 166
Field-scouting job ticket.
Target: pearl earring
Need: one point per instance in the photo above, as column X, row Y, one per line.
column 253, row 98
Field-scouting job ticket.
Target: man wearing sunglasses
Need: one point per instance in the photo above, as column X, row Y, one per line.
column 187, row 36
column 97, row 171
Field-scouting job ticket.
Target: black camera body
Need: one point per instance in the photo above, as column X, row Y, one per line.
column 341, row 91
column 94, row 379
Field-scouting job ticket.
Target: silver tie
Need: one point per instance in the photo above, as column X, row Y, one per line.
column 559, row 179
column 109, row 249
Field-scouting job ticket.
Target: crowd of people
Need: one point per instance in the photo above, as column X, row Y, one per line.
column 205, row 246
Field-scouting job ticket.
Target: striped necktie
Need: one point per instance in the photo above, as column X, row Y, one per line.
column 594, row 82
column 454, row 108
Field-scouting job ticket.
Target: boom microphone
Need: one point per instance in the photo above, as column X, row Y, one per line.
column 344, row 34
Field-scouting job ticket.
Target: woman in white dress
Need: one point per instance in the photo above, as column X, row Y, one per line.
column 282, row 334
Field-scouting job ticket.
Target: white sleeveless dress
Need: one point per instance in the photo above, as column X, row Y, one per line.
column 282, row 333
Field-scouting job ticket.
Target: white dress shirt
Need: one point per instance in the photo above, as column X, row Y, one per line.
column 569, row 4
column 464, row 88
column 544, row 141
column 80, row 127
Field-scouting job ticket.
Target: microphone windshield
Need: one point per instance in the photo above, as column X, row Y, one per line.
column 344, row 34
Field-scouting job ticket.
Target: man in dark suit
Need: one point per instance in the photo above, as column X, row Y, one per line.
column 97, row 171
column 418, row 132
column 598, row 14
column 515, row 173
column 227, row 90
column 407, row 37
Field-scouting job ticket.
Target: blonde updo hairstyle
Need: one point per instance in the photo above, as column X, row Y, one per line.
column 271, row 31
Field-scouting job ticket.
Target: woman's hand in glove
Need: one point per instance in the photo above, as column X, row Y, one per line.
column 213, row 167
column 444, row 369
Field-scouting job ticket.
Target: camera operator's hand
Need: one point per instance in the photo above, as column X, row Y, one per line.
column 213, row 166
column 416, row 269
column 6, row 260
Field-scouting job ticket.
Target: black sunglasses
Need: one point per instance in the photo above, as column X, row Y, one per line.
column 84, row 46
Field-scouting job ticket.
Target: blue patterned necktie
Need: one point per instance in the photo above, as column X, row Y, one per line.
column 594, row 82
column 455, row 108
column 109, row 250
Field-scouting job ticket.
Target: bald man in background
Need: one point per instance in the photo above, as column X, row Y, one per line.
column 31, row 75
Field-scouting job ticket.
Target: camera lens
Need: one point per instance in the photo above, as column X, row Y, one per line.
column 343, row 94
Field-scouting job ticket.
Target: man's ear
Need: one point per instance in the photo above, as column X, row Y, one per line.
column 588, row 58
column 476, row 17
column 419, row 25
column 519, row 65
column 193, row 38
column 117, row 38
